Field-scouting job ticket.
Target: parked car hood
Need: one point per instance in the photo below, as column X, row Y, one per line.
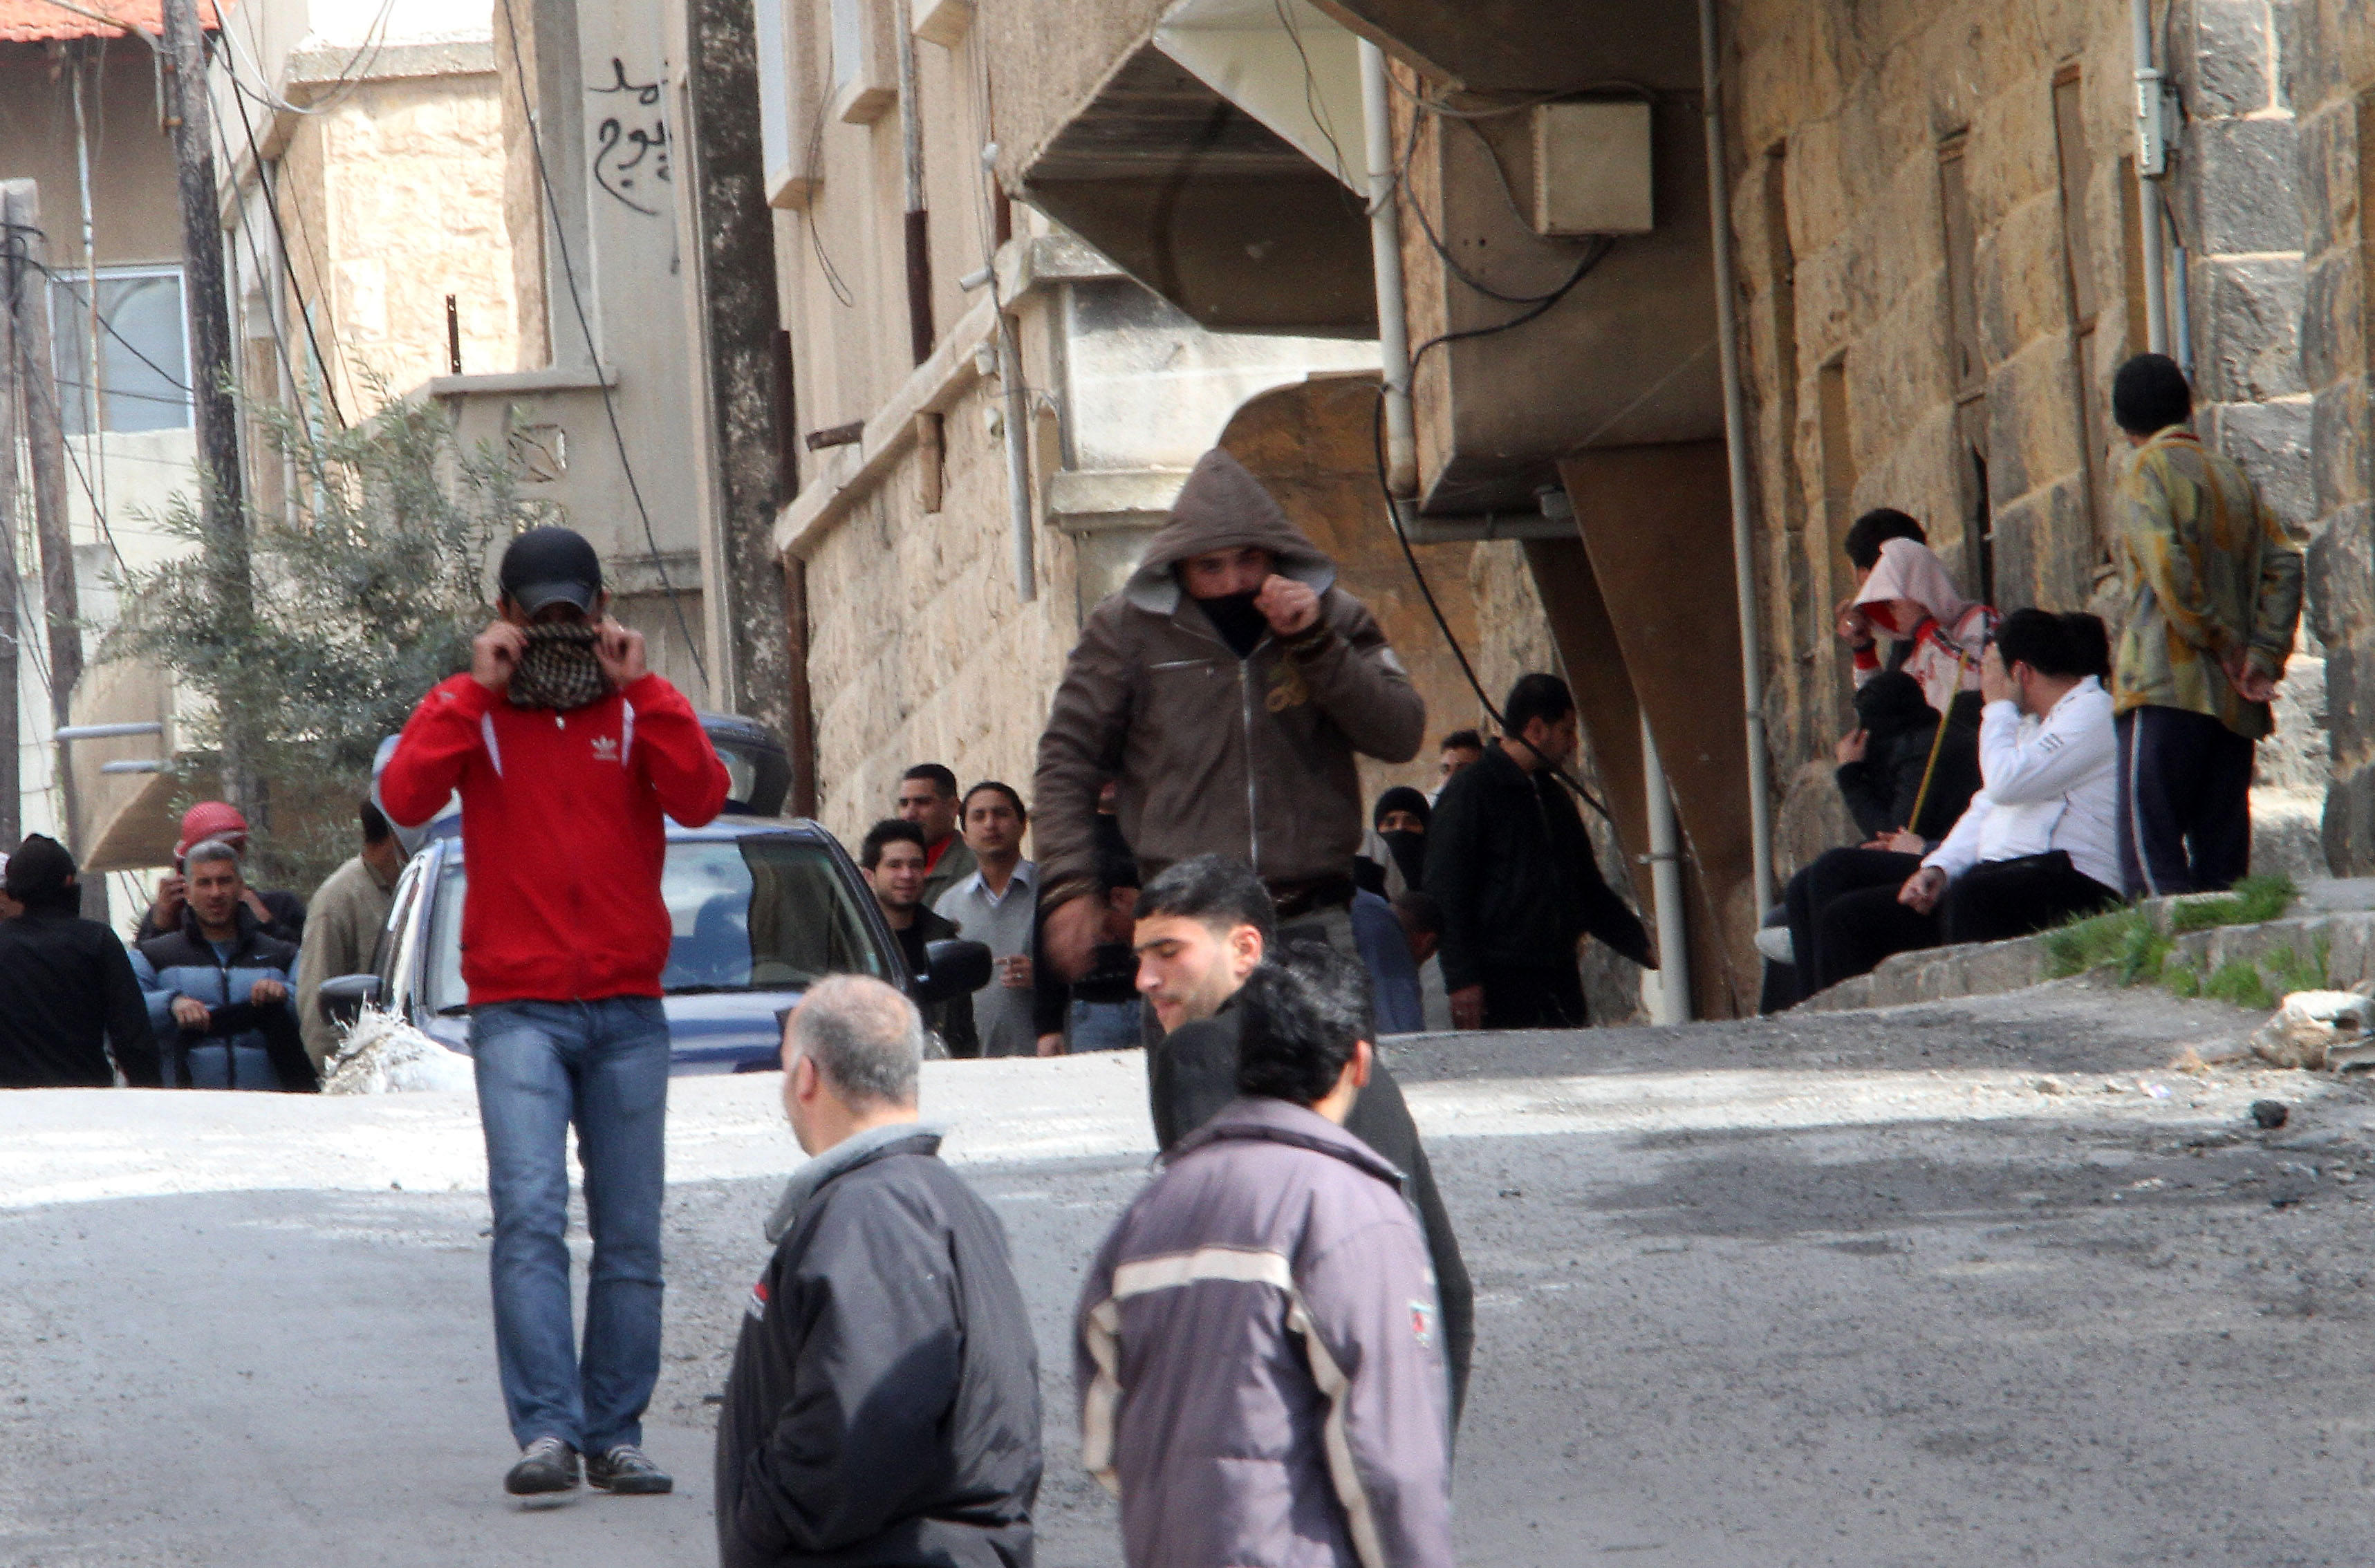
column 712, row 1032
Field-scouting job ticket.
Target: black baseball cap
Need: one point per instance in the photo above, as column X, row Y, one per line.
column 547, row 566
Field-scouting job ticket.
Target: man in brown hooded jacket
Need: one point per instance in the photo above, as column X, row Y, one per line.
column 1224, row 689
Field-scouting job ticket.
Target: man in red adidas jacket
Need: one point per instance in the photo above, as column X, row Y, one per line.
column 568, row 751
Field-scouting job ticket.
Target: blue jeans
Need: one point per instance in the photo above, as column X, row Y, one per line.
column 603, row 1066
column 1102, row 1026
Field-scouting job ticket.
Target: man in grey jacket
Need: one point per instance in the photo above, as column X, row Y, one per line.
column 883, row 1407
column 1258, row 1348
column 1225, row 691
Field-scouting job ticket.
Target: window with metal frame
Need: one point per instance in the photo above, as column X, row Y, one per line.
column 139, row 377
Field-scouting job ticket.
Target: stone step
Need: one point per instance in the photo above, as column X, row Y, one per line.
column 2339, row 911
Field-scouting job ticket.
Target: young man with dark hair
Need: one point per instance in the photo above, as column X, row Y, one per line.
column 570, row 756
column 892, row 856
column 278, row 913
column 1512, row 868
column 1203, row 925
column 884, row 1405
column 1460, row 748
column 2213, row 579
column 217, row 988
column 997, row 904
column 1259, row 1350
column 73, row 1013
column 343, row 925
column 2037, row 844
column 927, row 797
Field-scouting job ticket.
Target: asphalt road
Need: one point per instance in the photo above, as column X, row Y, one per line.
column 1977, row 1285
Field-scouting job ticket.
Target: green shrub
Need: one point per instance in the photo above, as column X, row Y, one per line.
column 2182, row 979
column 2237, row 984
column 2254, row 899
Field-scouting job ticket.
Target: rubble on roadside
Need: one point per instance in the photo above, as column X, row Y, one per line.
column 2318, row 1031
column 383, row 1055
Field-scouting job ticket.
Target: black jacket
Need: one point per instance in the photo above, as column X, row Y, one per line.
column 1880, row 790
column 1511, row 866
column 287, row 922
column 1192, row 1072
column 884, row 1409
column 951, row 1020
column 67, row 1000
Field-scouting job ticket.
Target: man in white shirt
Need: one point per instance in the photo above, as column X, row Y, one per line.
column 997, row 903
column 2039, row 843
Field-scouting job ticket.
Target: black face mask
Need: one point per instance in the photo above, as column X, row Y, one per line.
column 1241, row 626
column 1410, row 854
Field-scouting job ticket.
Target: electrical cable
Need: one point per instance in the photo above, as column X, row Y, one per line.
column 577, row 301
column 57, row 412
column 1536, row 308
column 281, row 244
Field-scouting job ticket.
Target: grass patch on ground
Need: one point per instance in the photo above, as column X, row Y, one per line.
column 2137, row 952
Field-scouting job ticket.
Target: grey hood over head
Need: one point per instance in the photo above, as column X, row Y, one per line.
column 1222, row 507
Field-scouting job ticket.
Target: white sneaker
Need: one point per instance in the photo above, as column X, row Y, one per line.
column 1774, row 942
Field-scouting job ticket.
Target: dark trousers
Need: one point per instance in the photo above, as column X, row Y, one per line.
column 1987, row 904
column 1835, row 873
column 2185, row 803
column 1525, row 996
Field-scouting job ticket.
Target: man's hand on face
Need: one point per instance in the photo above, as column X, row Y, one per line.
column 1468, row 1008
column 1995, row 681
column 1850, row 747
column 620, row 651
column 190, row 1013
column 266, row 991
column 1922, row 889
column 1289, row 607
column 495, row 653
column 172, row 890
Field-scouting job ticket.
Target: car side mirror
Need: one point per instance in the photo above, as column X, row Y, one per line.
column 343, row 999
column 953, row 969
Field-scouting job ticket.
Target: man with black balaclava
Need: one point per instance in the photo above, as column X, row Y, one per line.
column 568, row 753
column 1226, row 690
column 73, row 1012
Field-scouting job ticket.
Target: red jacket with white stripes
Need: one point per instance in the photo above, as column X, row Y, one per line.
column 561, row 821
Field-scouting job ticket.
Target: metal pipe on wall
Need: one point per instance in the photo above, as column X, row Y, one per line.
column 1017, row 459
column 1670, row 1002
column 1735, row 440
column 2148, row 81
column 1386, row 260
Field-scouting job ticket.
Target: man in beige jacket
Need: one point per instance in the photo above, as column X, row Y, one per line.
column 343, row 925
column 1225, row 689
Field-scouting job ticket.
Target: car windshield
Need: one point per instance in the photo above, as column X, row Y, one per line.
column 768, row 912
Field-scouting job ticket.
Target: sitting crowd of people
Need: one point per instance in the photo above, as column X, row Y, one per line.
column 2010, row 772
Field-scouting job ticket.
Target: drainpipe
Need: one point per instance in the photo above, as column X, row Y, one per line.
column 1670, row 1002
column 1386, row 260
column 1017, row 457
column 1735, row 440
column 2148, row 81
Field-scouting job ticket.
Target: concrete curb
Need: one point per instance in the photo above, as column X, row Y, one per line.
column 1987, row 969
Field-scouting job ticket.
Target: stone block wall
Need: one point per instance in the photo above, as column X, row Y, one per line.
column 2327, row 63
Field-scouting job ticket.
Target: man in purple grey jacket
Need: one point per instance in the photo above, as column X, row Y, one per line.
column 1259, row 1349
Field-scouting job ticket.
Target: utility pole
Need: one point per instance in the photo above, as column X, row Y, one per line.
column 37, row 386
column 188, row 115
column 12, row 788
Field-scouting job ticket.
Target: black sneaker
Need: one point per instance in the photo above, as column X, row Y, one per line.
column 626, row 1472
column 546, row 1465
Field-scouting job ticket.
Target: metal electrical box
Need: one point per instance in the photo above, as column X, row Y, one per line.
column 1592, row 169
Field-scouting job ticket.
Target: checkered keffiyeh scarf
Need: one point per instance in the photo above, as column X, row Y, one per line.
column 558, row 670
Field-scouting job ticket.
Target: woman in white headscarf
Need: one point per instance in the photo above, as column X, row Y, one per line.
column 1910, row 597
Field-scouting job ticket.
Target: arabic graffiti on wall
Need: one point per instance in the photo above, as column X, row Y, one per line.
column 630, row 151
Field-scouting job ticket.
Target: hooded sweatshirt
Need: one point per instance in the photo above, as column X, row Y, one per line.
column 1250, row 756
column 1952, row 635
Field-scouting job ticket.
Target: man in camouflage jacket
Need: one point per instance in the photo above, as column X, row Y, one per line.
column 2213, row 580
